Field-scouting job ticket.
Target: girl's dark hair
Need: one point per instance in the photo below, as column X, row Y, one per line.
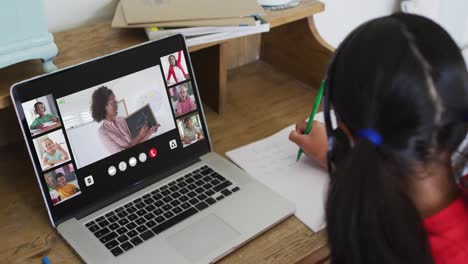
column 36, row 104
column 58, row 175
column 403, row 76
column 172, row 57
column 99, row 101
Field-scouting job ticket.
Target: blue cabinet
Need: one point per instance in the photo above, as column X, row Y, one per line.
column 24, row 34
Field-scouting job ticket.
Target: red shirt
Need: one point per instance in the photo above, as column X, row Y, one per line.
column 448, row 233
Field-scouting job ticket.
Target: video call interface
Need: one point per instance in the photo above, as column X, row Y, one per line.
column 106, row 119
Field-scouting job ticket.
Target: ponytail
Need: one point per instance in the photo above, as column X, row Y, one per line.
column 370, row 217
column 386, row 77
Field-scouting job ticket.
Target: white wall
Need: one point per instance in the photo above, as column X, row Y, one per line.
column 81, row 138
column 342, row 16
column 66, row 14
column 339, row 18
column 450, row 14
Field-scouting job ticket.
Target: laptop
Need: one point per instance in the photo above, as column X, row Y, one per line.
column 141, row 191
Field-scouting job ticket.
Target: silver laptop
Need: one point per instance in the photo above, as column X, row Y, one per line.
column 122, row 155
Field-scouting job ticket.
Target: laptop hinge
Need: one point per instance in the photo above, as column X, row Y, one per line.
column 124, row 193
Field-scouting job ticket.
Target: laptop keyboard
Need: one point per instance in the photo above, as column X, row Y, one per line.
column 139, row 220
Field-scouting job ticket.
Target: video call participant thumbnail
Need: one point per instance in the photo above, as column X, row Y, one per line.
column 190, row 130
column 183, row 100
column 61, row 188
column 54, row 153
column 43, row 117
column 174, row 68
column 52, row 149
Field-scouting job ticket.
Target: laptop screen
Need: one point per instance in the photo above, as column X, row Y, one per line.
column 97, row 128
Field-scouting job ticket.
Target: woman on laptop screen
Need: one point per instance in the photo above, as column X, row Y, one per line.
column 114, row 132
column 399, row 89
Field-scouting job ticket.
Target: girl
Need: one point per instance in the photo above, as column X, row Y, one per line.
column 399, row 88
column 176, row 71
column 184, row 103
column 54, row 153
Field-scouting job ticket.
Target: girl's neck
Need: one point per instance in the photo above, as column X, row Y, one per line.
column 433, row 188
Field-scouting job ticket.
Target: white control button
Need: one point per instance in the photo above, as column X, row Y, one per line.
column 132, row 161
column 112, row 170
column 173, row 144
column 122, row 166
column 142, row 157
column 89, row 180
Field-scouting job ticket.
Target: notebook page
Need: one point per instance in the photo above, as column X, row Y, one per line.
column 272, row 161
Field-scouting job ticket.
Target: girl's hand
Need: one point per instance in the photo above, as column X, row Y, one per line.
column 313, row 144
column 153, row 129
column 57, row 146
column 48, row 179
column 199, row 136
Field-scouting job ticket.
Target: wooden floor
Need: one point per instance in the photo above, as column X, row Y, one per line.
column 260, row 102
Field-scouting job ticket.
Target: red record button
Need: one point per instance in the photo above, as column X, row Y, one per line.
column 153, row 153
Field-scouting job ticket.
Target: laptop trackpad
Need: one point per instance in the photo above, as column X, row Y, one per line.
column 202, row 238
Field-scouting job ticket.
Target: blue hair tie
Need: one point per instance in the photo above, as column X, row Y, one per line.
column 371, row 135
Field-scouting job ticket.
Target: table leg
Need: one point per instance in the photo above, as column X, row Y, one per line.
column 297, row 49
column 210, row 70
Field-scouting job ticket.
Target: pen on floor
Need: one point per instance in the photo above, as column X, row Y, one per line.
column 45, row 260
column 318, row 99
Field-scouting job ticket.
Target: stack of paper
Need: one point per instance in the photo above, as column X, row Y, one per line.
column 201, row 35
column 200, row 21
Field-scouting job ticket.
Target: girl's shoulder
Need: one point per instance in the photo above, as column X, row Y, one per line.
column 453, row 212
column 447, row 232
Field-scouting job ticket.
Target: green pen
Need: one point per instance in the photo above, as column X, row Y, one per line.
column 318, row 99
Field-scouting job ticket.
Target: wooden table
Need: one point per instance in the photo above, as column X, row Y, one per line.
column 269, row 95
column 269, row 99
